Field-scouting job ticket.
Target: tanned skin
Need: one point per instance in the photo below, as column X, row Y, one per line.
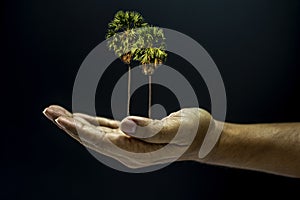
column 272, row 148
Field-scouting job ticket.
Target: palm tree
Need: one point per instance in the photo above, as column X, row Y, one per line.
column 150, row 53
column 121, row 35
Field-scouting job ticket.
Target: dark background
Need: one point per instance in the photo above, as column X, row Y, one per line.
column 255, row 45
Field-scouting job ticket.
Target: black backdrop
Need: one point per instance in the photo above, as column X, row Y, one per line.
column 254, row 43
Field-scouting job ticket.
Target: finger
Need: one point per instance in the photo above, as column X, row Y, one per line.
column 80, row 130
column 84, row 131
column 98, row 140
column 153, row 131
column 71, row 132
column 99, row 121
column 54, row 111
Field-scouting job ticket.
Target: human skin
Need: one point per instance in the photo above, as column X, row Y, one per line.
column 272, row 148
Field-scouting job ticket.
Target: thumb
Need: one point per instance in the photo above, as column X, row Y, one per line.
column 149, row 130
column 141, row 127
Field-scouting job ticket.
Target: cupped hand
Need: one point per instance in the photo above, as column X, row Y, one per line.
column 182, row 131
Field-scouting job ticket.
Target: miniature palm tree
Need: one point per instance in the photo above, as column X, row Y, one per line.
column 150, row 53
column 122, row 39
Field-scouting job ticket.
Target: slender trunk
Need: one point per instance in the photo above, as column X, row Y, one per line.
column 128, row 89
column 149, row 97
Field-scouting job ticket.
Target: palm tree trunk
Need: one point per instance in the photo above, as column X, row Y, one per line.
column 128, row 89
column 149, row 97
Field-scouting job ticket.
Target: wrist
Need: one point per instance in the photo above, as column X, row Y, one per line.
column 206, row 139
column 218, row 138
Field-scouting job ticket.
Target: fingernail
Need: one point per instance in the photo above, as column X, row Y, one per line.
column 60, row 125
column 45, row 112
column 128, row 126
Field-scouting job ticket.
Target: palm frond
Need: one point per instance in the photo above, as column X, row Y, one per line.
column 121, row 33
column 150, row 48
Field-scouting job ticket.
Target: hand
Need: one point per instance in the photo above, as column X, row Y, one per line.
column 134, row 135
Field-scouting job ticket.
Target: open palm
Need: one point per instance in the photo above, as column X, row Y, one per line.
column 136, row 134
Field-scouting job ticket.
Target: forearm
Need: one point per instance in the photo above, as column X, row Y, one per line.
column 273, row 148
